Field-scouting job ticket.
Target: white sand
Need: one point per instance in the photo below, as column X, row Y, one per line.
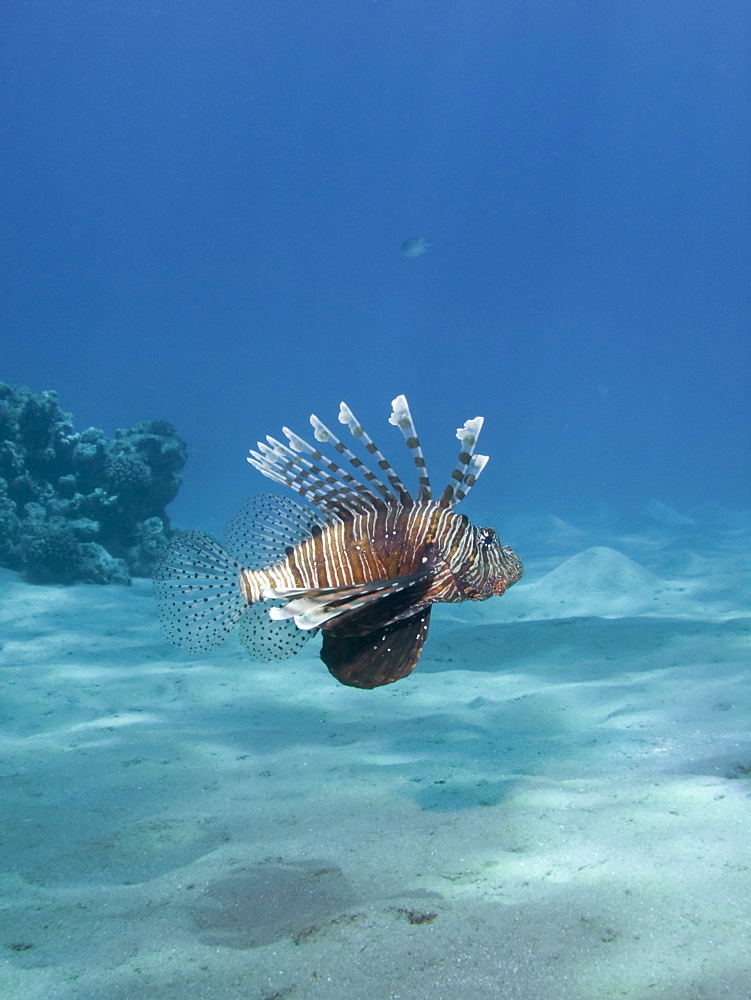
column 555, row 806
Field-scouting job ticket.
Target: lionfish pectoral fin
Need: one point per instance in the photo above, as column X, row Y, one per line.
column 379, row 657
column 386, row 598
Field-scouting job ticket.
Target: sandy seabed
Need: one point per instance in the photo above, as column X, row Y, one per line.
column 556, row 805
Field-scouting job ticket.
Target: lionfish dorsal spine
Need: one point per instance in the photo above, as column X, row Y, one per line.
column 476, row 465
column 402, row 418
column 278, row 463
column 326, row 436
column 303, row 468
column 468, row 465
column 346, row 416
column 338, row 476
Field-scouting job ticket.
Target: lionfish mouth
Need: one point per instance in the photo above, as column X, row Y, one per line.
column 498, row 585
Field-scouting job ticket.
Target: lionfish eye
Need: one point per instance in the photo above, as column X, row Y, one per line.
column 488, row 537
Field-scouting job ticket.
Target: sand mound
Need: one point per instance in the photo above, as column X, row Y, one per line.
column 596, row 582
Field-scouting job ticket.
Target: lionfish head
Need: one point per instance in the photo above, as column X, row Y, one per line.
column 491, row 568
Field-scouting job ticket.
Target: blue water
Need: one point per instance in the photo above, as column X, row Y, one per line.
column 203, row 207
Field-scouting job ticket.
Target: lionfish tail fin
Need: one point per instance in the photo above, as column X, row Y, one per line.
column 468, row 465
column 197, row 590
column 402, row 418
column 202, row 586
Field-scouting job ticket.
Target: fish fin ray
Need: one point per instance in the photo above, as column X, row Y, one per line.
column 265, row 525
column 402, row 418
column 470, row 477
column 400, row 491
column 344, row 494
column 325, row 435
column 381, row 601
column 280, row 464
column 318, row 478
column 335, row 492
column 466, row 464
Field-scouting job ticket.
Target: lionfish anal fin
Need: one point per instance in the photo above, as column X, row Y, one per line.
column 378, row 657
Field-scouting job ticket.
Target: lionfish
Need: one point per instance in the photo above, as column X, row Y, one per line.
column 364, row 564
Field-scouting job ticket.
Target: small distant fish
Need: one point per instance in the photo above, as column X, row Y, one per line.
column 415, row 247
column 364, row 564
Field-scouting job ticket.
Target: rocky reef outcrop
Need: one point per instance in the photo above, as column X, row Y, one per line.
column 82, row 507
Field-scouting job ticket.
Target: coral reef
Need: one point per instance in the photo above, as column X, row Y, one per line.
column 82, row 507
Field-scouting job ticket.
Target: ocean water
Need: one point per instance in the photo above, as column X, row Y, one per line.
column 212, row 214
column 203, row 208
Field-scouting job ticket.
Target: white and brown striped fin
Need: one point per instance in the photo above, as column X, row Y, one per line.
column 304, row 468
column 324, row 435
column 347, row 482
column 346, row 416
column 279, row 463
column 332, row 489
column 468, row 465
column 314, row 608
column 402, row 418
column 476, row 465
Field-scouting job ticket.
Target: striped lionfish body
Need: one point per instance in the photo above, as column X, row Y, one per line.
column 364, row 564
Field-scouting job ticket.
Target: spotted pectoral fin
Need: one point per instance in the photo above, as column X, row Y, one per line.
column 384, row 599
column 379, row 657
